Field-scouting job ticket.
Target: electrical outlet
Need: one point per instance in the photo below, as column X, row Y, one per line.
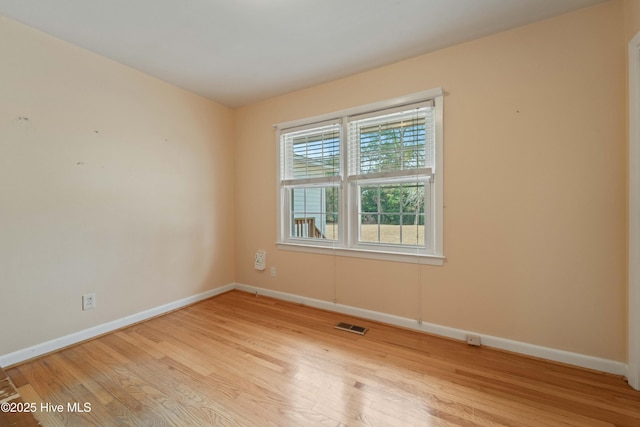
column 273, row 272
column 88, row 301
column 474, row 340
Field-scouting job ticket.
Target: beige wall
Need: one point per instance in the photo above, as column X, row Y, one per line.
column 535, row 188
column 110, row 182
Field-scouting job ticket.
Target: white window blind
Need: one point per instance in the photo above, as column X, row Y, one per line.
column 311, row 156
column 398, row 142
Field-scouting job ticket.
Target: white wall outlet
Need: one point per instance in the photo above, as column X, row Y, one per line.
column 273, row 272
column 88, row 301
column 261, row 260
column 474, row 340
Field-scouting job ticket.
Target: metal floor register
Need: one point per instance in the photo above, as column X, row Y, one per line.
column 361, row 330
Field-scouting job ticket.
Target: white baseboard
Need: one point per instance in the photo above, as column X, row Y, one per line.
column 86, row 334
column 576, row 359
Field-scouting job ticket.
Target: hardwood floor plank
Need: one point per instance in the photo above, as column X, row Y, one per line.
column 13, row 413
column 241, row 360
column 142, row 342
column 115, row 378
column 46, row 419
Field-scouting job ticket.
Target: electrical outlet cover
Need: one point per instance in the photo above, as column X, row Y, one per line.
column 88, row 301
column 261, row 260
column 474, row 340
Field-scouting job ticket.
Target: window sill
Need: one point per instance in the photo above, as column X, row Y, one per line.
column 364, row 253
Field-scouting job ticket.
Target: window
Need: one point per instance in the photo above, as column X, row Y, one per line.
column 365, row 182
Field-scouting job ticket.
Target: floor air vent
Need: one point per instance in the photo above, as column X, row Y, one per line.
column 351, row 328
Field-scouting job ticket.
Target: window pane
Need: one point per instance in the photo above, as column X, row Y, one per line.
column 392, row 214
column 412, row 198
column 369, row 199
column 314, row 213
column 413, row 229
column 369, row 229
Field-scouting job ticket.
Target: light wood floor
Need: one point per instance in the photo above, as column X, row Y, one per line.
column 241, row 360
column 10, row 415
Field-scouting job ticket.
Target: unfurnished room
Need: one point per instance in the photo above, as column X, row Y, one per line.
column 320, row 212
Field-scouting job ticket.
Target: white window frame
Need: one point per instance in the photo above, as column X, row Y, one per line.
column 347, row 243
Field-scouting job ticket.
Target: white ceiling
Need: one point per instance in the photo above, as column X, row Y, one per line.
column 240, row 51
